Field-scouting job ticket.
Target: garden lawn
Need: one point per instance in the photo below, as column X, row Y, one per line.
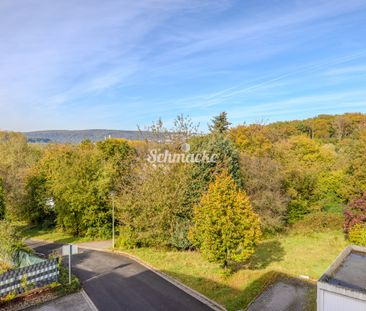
column 293, row 254
column 51, row 235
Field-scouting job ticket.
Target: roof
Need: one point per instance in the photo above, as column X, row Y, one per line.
column 348, row 271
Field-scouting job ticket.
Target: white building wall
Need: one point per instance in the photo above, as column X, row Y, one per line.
column 329, row 301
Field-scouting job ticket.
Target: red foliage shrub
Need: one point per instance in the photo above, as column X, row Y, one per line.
column 355, row 213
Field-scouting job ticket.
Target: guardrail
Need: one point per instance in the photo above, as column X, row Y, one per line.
column 34, row 276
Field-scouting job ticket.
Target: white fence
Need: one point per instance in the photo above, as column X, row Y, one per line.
column 33, row 276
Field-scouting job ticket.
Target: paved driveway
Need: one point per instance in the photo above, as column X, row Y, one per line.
column 116, row 282
column 285, row 294
column 74, row 302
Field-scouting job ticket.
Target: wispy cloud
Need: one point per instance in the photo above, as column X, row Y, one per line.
column 68, row 49
column 173, row 56
column 272, row 110
column 267, row 83
column 358, row 69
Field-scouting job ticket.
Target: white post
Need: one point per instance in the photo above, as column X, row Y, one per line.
column 112, row 195
column 113, row 222
column 70, row 264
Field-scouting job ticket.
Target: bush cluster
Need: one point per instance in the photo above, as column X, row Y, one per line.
column 355, row 213
column 357, row 235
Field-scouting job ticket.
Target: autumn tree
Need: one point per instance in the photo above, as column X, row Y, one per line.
column 356, row 169
column 16, row 159
column 304, row 160
column 155, row 208
column 152, row 210
column 330, row 192
column 79, row 180
column 347, row 124
column 225, row 227
column 326, row 128
column 264, row 183
column 254, row 139
column 117, row 156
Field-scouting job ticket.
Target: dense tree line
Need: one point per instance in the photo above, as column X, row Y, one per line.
column 274, row 175
column 296, row 168
column 70, row 186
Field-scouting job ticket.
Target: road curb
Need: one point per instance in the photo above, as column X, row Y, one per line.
column 205, row 300
column 88, row 300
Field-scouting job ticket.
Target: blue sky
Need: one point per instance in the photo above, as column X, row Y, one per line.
column 77, row 64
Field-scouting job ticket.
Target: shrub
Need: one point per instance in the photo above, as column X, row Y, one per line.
column 329, row 191
column 127, row 238
column 4, row 267
column 9, row 242
column 357, row 235
column 67, row 288
column 179, row 237
column 318, row 222
column 355, row 213
column 225, row 227
column 153, row 211
column 297, row 209
column 9, row 297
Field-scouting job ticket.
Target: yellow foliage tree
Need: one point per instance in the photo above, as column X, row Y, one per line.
column 225, row 227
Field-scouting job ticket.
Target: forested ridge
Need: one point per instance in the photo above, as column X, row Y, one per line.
column 267, row 178
column 77, row 136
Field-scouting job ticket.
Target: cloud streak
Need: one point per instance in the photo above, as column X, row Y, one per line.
column 154, row 58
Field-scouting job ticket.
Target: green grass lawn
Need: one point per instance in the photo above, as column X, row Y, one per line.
column 292, row 254
column 50, row 235
column 297, row 254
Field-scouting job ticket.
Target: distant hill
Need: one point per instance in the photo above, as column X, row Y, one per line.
column 75, row 137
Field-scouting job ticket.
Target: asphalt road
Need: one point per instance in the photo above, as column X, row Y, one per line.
column 115, row 282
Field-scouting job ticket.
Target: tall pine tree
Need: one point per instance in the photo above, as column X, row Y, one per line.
column 220, row 124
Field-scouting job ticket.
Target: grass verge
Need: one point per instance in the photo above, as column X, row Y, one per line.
column 293, row 254
column 51, row 235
